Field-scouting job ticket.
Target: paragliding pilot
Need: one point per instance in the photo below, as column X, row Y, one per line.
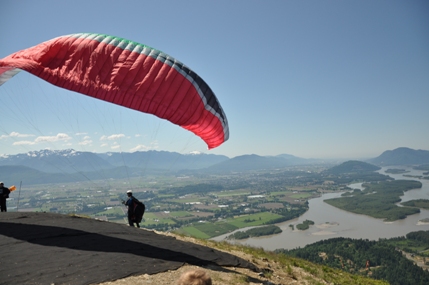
column 135, row 209
column 4, row 194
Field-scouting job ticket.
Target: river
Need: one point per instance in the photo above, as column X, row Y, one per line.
column 331, row 222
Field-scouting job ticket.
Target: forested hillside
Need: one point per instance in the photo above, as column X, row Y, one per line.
column 352, row 166
column 378, row 200
column 376, row 259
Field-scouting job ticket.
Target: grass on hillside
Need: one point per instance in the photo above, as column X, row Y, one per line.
column 286, row 263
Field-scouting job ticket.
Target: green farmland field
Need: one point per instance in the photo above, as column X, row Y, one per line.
column 253, row 220
column 209, row 230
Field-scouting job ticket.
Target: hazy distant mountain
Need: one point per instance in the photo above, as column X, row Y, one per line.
column 249, row 162
column 352, row 166
column 294, row 160
column 401, row 156
column 57, row 161
column 12, row 174
column 162, row 160
column 47, row 166
column 71, row 161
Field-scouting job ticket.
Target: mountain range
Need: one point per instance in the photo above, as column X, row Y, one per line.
column 401, row 156
column 53, row 166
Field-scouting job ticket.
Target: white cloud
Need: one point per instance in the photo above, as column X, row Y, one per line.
column 18, row 135
column 58, row 137
column 24, row 143
column 15, row 135
column 115, row 147
column 112, row 137
column 41, row 139
column 85, row 142
column 140, row 147
column 81, row 134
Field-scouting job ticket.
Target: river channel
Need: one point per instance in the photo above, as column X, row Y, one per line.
column 331, row 222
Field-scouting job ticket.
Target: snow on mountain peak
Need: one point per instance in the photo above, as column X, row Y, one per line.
column 49, row 152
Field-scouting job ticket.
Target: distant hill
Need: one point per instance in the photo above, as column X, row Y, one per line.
column 401, row 156
column 352, row 255
column 294, row 160
column 52, row 166
column 58, row 161
column 253, row 162
column 162, row 160
column 248, row 163
column 12, row 174
column 71, row 161
column 352, row 166
column 48, row 166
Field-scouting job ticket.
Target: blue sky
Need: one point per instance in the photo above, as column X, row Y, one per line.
column 315, row 79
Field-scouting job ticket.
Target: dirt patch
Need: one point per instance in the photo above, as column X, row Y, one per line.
column 272, row 273
column 271, row 205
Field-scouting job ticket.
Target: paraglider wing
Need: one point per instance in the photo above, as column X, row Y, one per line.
column 125, row 73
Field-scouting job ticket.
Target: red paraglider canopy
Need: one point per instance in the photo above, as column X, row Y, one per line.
column 128, row 74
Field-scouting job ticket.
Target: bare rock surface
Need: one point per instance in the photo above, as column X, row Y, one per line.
column 47, row 248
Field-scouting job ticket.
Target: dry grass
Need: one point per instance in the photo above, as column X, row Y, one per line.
column 275, row 269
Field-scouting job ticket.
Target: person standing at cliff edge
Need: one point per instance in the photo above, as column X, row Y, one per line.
column 4, row 194
column 136, row 209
